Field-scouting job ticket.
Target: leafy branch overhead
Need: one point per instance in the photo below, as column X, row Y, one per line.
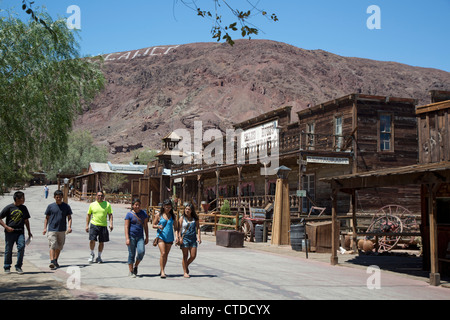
column 221, row 31
column 26, row 6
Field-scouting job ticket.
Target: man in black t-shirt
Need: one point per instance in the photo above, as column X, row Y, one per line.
column 57, row 216
column 17, row 216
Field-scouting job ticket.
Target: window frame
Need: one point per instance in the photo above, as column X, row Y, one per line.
column 391, row 133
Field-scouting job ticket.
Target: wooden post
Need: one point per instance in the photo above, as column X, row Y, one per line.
column 281, row 215
column 65, row 193
column 435, row 277
column 217, row 188
column 286, row 215
column 239, row 170
column 353, row 221
column 266, row 186
column 183, row 197
column 215, row 224
column 199, row 192
column 334, row 228
column 276, row 225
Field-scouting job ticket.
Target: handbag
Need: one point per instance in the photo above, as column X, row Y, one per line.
column 179, row 241
column 156, row 240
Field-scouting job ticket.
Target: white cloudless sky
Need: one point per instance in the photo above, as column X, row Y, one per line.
column 413, row 32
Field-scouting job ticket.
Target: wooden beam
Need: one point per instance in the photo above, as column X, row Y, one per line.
column 434, row 262
column 334, row 228
column 353, row 222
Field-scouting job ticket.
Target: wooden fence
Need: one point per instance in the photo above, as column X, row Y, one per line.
column 206, row 219
column 110, row 197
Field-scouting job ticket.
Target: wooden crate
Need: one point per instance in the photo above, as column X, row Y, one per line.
column 319, row 235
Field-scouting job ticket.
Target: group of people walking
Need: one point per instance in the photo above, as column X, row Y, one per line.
column 184, row 231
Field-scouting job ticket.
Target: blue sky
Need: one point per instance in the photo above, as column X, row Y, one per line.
column 412, row 32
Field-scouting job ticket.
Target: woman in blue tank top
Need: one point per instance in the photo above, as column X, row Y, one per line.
column 189, row 231
column 165, row 223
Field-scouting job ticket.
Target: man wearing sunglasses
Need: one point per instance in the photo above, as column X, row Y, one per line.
column 98, row 215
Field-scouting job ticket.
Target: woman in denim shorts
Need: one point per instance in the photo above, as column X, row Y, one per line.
column 189, row 227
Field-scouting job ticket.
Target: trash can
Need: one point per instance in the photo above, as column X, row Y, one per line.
column 259, row 228
column 297, row 236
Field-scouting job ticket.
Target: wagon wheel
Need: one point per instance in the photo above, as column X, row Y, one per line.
column 247, row 229
column 410, row 224
column 387, row 221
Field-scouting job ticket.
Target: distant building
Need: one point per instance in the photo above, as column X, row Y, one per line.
column 91, row 181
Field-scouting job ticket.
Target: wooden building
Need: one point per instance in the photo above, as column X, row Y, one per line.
column 358, row 133
column 92, row 180
column 431, row 174
column 354, row 133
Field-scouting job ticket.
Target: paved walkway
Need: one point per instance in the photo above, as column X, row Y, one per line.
column 258, row 271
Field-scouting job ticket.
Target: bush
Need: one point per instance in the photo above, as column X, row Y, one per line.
column 225, row 210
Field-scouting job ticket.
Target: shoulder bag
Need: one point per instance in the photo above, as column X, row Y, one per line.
column 156, row 240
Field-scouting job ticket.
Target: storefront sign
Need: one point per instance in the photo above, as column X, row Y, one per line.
column 260, row 135
column 326, row 160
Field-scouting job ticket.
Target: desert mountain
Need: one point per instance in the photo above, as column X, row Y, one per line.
column 151, row 91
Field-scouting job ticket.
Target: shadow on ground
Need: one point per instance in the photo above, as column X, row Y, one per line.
column 406, row 264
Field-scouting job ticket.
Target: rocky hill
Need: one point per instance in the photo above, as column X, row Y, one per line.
column 151, row 91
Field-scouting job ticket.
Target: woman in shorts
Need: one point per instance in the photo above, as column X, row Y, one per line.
column 190, row 234
column 165, row 223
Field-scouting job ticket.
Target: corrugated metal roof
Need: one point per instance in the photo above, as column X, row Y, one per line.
column 116, row 168
column 429, row 167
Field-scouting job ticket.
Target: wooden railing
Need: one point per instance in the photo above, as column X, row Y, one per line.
column 110, row 197
column 208, row 219
column 259, row 201
column 212, row 219
column 325, row 142
column 288, row 143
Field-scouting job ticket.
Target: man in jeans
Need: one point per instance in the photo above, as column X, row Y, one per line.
column 57, row 216
column 98, row 215
column 17, row 216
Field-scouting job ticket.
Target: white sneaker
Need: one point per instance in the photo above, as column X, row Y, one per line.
column 99, row 260
column 91, row 258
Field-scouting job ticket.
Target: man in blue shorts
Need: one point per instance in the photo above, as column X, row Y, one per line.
column 98, row 215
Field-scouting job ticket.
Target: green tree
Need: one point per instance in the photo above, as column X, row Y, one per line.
column 144, row 156
column 80, row 152
column 112, row 182
column 43, row 85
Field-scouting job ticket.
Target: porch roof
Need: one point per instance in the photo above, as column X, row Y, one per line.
column 413, row 174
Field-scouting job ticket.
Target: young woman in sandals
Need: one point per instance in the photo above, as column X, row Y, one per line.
column 189, row 234
column 166, row 224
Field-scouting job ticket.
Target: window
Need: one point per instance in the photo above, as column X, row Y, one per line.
column 310, row 136
column 385, row 136
column 339, row 139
